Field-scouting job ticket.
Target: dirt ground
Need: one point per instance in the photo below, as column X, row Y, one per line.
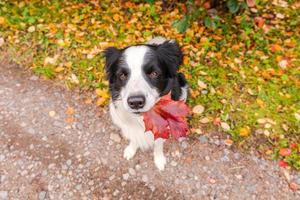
column 48, row 154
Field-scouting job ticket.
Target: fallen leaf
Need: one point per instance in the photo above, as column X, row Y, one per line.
column 2, row 20
column 244, row 132
column 293, row 186
column 282, row 163
column 70, row 111
column 1, row 41
column 198, row 109
column 100, row 101
column 225, row 126
column 259, row 21
column 297, row 116
column 285, row 152
column 201, row 84
column 31, row 29
column 250, row 3
column 204, row 120
column 59, row 69
column 228, row 142
column 167, row 117
column 69, row 120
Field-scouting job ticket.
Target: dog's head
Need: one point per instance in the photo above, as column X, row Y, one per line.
column 138, row 75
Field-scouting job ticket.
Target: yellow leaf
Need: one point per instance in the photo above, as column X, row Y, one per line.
column 102, row 93
column 116, row 17
column 59, row 69
column 101, row 101
column 244, row 132
column 2, row 20
column 70, row 111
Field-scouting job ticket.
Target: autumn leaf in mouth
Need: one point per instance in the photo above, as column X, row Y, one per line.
column 167, row 117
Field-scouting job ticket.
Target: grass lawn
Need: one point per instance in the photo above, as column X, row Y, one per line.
column 244, row 69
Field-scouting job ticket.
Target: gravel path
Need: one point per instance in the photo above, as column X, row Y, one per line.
column 48, row 154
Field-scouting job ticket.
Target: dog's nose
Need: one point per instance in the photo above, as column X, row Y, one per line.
column 136, row 102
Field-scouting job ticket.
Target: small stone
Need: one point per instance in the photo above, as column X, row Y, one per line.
column 236, row 156
column 79, row 126
column 145, row 178
column 203, row 139
column 238, row 176
column 173, row 163
column 52, row 113
column 126, row 176
column 115, row 137
column 132, row 171
column 184, row 144
column 69, row 162
column 34, row 78
column 225, row 158
column 3, row 195
column 42, row 195
column 212, row 181
column 2, row 157
column 204, row 120
column 111, row 177
column 116, row 192
column 78, row 187
column 207, row 158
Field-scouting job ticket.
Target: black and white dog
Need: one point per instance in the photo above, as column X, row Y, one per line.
column 138, row 76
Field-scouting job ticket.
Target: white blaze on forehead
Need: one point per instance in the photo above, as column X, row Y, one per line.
column 134, row 58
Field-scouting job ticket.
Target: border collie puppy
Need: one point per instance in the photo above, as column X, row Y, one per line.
column 138, row 76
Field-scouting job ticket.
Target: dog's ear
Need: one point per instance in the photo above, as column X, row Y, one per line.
column 111, row 55
column 170, row 55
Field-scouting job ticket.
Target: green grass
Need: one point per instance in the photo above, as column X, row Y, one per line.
column 235, row 59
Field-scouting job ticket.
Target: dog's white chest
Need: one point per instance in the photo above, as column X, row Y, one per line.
column 131, row 125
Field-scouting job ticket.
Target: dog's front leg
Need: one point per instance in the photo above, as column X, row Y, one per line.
column 130, row 150
column 159, row 158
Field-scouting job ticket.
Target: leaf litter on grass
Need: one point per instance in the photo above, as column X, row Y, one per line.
column 244, row 70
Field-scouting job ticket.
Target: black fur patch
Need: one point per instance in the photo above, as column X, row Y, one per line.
column 163, row 59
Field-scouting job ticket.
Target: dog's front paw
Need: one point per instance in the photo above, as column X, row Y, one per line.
column 129, row 152
column 160, row 162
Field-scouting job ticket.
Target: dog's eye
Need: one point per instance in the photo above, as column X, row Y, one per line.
column 153, row 75
column 123, row 76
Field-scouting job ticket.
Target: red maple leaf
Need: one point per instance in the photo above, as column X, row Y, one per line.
column 167, row 117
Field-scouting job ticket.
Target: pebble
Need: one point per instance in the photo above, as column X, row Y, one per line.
column 34, row 78
column 69, row 162
column 298, row 181
column 3, row 195
column 145, row 178
column 225, row 158
column 238, row 176
column 78, row 187
column 2, row 157
column 184, row 144
column 203, row 139
column 115, row 137
column 131, row 171
column 111, row 177
column 207, row 158
column 42, row 195
column 236, row 156
column 173, row 163
column 79, row 126
column 126, row 176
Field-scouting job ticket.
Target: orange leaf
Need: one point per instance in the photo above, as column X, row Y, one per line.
column 285, row 152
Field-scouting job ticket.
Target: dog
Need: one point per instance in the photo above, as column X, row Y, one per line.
column 138, row 76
